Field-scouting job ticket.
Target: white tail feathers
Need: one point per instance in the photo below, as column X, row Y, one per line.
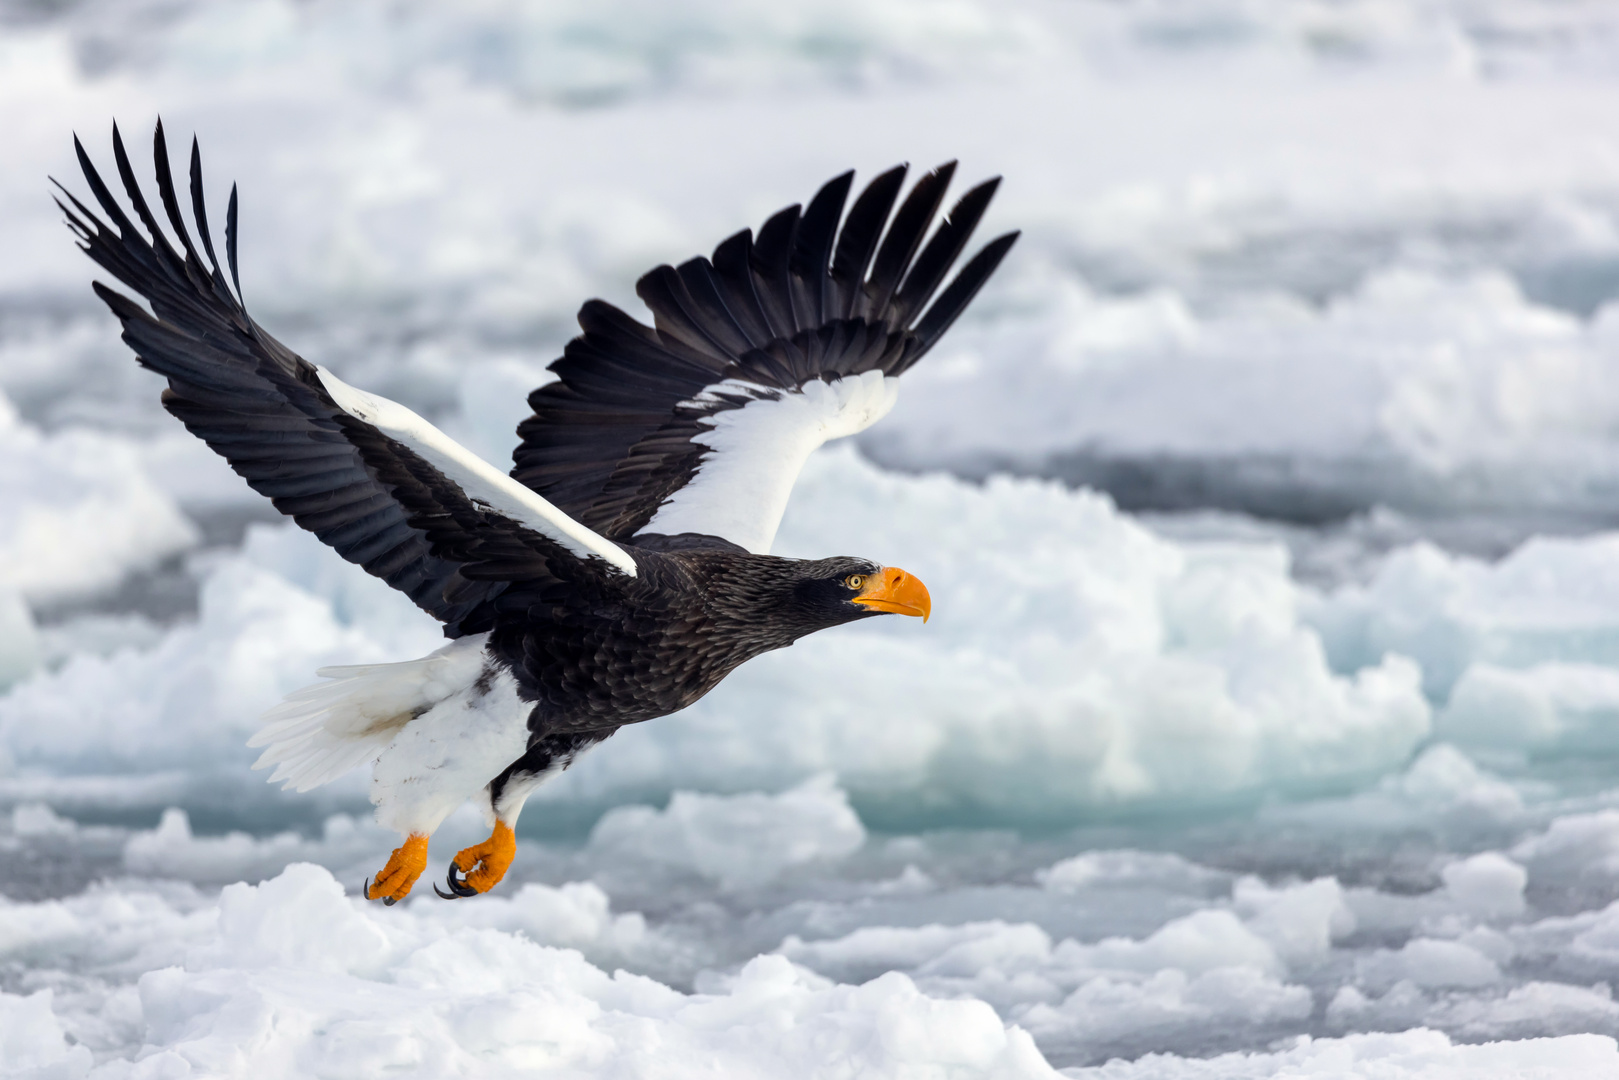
column 322, row 731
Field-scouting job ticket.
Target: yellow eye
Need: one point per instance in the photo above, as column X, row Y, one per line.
column 854, row 581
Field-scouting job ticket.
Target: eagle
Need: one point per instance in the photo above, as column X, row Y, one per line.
column 622, row 568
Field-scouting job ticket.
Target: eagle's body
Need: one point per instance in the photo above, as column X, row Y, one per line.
column 621, row 570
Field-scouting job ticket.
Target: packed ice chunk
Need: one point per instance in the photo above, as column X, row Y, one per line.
column 575, row 915
column 735, row 840
column 1546, row 706
column 1595, row 946
column 1110, row 1015
column 1418, row 1054
column 1203, row 941
column 965, row 950
column 1086, row 1000
column 172, row 850
column 1409, row 387
column 19, row 643
column 194, row 699
column 299, row 919
column 1551, row 601
column 81, row 513
column 1533, row 1008
column 1429, row 963
column 1299, row 921
column 1442, row 778
column 1092, row 869
column 1441, row 785
column 314, row 982
column 37, row 819
column 1574, row 849
column 1489, row 885
column 32, row 1042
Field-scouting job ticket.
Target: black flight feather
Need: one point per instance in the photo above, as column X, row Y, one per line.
column 858, row 241
column 266, row 411
column 616, row 435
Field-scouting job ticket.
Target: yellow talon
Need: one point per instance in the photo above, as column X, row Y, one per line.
column 484, row 864
column 405, row 865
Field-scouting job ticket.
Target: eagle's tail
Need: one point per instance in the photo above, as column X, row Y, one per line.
column 322, row 731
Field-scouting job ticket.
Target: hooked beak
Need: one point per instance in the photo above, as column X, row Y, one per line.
column 893, row 590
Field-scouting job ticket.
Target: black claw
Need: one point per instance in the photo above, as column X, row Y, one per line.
column 365, row 890
column 459, row 889
column 389, row 901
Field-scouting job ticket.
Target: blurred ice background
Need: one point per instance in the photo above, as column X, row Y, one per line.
column 1270, row 721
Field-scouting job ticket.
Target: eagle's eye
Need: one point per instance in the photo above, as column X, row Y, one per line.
column 854, row 581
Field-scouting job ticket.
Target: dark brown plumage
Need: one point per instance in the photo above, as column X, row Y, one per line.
column 626, row 618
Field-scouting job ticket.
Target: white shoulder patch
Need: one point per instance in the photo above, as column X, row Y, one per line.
column 756, row 452
column 482, row 482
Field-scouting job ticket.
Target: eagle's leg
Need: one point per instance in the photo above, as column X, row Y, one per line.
column 483, row 865
column 479, row 868
column 405, row 865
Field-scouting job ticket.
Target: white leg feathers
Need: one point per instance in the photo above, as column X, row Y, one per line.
column 439, row 729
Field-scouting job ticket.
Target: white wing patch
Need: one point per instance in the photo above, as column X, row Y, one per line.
column 756, row 452
column 484, row 484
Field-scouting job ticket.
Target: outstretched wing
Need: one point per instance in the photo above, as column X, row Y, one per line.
column 701, row 423
column 378, row 483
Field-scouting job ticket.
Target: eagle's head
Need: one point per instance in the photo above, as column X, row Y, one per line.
column 829, row 592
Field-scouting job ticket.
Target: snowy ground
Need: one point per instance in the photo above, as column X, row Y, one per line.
column 1268, row 723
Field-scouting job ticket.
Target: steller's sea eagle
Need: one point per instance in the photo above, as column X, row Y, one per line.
column 622, row 568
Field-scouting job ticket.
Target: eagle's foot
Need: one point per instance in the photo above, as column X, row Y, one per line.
column 405, row 865
column 482, row 864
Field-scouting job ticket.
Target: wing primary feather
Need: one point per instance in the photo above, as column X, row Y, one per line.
column 731, row 270
column 812, row 248
column 230, row 246
column 165, row 191
column 905, row 234
column 98, row 188
column 941, row 251
column 199, row 212
column 955, row 298
column 707, row 295
column 768, row 263
column 75, row 221
column 858, row 240
column 274, row 418
column 678, row 314
column 160, row 242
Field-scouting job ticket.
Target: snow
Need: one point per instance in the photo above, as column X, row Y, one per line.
column 1267, row 721
column 153, row 962
column 313, row 981
column 738, row 840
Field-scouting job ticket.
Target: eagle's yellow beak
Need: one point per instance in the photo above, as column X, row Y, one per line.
column 892, row 589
